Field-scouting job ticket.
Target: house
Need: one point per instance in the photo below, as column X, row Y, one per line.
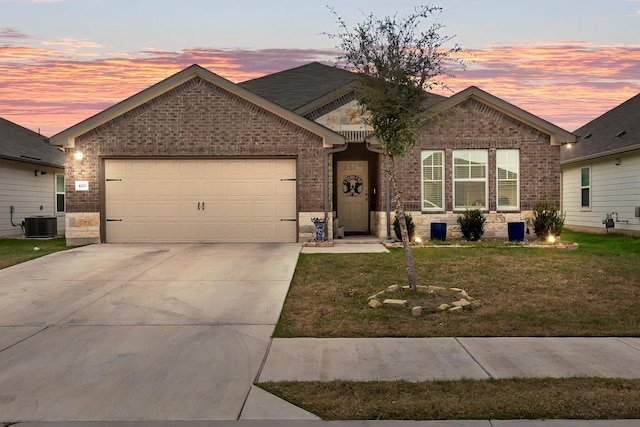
column 32, row 193
column 198, row 158
column 475, row 150
column 194, row 158
column 601, row 174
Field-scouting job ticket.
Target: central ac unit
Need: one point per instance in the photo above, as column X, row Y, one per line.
column 40, row 226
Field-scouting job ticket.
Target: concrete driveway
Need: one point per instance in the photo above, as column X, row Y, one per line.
column 139, row 332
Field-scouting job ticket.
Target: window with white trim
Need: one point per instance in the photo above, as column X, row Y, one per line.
column 432, row 180
column 508, row 179
column 585, row 188
column 470, row 178
column 60, row 197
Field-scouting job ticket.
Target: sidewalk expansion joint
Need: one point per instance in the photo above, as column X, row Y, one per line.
column 471, row 356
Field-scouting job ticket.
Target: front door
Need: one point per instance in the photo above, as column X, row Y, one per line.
column 353, row 195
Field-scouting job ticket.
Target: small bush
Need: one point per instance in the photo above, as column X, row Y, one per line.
column 472, row 224
column 411, row 227
column 547, row 219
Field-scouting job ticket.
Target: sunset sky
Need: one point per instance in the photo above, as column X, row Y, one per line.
column 62, row 61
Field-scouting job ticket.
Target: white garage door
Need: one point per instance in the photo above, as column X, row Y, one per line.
column 247, row 200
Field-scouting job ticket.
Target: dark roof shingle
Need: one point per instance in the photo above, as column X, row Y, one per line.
column 613, row 132
column 23, row 145
column 300, row 86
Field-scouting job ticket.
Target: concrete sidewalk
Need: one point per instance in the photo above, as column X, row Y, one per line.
column 428, row 359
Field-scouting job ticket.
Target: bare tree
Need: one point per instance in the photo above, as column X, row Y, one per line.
column 398, row 62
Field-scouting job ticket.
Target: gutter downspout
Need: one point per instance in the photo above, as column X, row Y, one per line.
column 387, row 185
column 326, row 183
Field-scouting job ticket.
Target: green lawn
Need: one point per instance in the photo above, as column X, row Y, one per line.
column 15, row 251
column 523, row 291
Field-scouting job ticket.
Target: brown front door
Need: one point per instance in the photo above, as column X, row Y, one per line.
column 353, row 197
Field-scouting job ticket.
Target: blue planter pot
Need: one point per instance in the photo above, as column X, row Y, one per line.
column 439, row 231
column 515, row 231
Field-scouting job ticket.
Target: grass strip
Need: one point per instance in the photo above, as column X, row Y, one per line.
column 16, row 251
column 498, row 399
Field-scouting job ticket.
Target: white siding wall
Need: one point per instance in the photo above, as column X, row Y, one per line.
column 614, row 188
column 20, row 187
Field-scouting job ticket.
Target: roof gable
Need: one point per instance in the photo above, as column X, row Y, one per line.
column 558, row 136
column 67, row 137
column 23, row 145
column 614, row 132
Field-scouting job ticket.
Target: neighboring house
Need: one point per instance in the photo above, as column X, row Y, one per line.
column 198, row 158
column 601, row 174
column 32, row 177
column 476, row 150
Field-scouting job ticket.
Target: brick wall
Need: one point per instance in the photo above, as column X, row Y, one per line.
column 474, row 125
column 196, row 118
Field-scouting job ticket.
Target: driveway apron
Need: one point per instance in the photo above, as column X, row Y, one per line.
column 138, row 332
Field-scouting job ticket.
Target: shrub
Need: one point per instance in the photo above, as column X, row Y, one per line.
column 547, row 219
column 472, row 224
column 411, row 227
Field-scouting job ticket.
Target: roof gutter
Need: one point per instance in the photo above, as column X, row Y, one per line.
column 602, row 154
column 31, row 161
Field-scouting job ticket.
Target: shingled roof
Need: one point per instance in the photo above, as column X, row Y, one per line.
column 23, row 145
column 310, row 87
column 302, row 86
column 616, row 131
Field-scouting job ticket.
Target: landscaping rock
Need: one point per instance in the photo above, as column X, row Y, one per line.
column 443, row 307
column 455, row 309
column 393, row 288
column 374, row 303
column 416, row 311
column 461, row 303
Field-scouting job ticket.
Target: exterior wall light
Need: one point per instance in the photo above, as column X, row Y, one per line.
column 78, row 156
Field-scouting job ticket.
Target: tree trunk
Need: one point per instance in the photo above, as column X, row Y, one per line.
column 406, row 243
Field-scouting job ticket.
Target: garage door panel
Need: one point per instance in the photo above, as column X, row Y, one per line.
column 200, row 200
column 139, row 169
column 143, row 189
column 115, row 188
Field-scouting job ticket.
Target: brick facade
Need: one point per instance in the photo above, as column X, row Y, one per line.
column 474, row 125
column 195, row 119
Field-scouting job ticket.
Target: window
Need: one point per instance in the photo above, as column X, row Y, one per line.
column 508, row 177
column 59, row 193
column 432, row 180
column 470, row 178
column 585, row 187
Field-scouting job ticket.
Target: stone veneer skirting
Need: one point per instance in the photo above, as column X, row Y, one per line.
column 495, row 226
column 82, row 228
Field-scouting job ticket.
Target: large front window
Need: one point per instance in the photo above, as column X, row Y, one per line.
column 470, row 179
column 432, row 180
column 508, row 175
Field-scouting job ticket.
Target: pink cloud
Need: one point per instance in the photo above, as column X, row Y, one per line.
column 73, row 43
column 11, row 33
column 567, row 83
